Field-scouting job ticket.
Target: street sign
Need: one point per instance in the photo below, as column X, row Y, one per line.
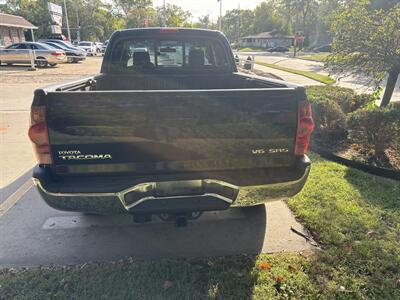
column 55, row 29
column 54, row 8
column 55, row 13
column 56, row 19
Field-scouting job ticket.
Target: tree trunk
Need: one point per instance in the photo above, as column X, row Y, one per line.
column 390, row 86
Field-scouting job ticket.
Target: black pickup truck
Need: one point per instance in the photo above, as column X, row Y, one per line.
column 169, row 127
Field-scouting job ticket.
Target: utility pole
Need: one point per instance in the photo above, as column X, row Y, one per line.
column 220, row 15
column 78, row 33
column 164, row 15
column 66, row 18
column 239, row 23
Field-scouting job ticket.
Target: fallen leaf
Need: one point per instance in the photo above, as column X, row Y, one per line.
column 306, row 254
column 279, row 279
column 168, row 284
column 265, row 266
column 348, row 248
column 292, row 269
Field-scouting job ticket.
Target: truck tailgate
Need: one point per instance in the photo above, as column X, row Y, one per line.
column 170, row 131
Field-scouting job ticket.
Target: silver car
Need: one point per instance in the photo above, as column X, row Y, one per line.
column 43, row 54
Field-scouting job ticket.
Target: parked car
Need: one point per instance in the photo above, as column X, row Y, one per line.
column 323, row 48
column 173, row 138
column 278, row 49
column 73, row 56
column 89, row 47
column 20, row 53
column 104, row 47
column 65, row 44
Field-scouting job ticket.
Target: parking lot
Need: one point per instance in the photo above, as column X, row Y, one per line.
column 34, row 234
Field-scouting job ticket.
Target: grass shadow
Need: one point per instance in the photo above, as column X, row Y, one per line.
column 374, row 190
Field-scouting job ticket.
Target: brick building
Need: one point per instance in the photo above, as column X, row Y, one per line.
column 14, row 29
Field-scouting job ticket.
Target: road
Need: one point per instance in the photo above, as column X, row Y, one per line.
column 33, row 234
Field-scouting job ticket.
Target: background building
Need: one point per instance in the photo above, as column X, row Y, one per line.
column 15, row 29
column 266, row 40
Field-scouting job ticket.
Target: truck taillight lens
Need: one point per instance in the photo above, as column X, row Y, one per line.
column 305, row 126
column 39, row 135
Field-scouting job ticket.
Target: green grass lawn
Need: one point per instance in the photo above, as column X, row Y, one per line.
column 354, row 216
column 249, row 49
column 312, row 75
column 321, row 57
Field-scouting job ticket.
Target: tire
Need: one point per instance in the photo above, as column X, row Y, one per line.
column 41, row 62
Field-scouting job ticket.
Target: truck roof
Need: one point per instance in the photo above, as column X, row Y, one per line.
column 169, row 30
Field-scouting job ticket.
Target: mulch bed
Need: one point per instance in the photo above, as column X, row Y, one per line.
column 359, row 154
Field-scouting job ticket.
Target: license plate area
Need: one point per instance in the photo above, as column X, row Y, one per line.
column 177, row 188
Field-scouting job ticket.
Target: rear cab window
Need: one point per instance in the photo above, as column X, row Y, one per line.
column 168, row 54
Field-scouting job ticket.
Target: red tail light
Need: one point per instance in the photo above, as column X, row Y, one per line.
column 57, row 53
column 305, row 126
column 39, row 135
column 169, row 30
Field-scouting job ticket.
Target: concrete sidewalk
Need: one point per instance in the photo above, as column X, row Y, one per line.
column 287, row 76
column 357, row 83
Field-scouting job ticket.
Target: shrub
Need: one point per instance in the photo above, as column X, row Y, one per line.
column 346, row 98
column 330, row 121
column 376, row 128
column 331, row 104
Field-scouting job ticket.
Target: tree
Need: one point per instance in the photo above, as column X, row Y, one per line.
column 96, row 18
column 136, row 12
column 300, row 15
column 171, row 16
column 205, row 22
column 266, row 19
column 232, row 23
column 129, row 6
column 367, row 41
column 325, row 13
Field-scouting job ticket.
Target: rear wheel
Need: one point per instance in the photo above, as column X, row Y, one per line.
column 41, row 62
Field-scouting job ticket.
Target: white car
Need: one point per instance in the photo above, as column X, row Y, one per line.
column 89, row 47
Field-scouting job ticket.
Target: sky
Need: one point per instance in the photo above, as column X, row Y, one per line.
column 200, row 8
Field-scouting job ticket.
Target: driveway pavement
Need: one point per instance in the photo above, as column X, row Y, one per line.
column 33, row 234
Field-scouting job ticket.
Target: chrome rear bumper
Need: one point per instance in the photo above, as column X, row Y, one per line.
column 149, row 197
column 167, row 195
